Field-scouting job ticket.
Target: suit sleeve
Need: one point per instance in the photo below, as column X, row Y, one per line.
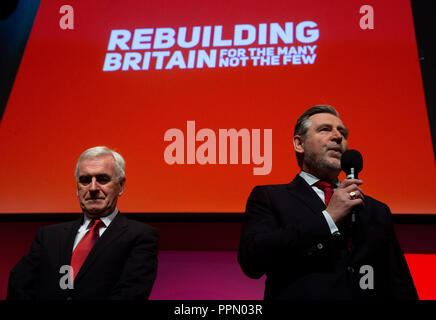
column 400, row 280
column 139, row 272
column 23, row 278
column 266, row 244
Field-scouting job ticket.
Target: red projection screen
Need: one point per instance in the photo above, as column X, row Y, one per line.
column 201, row 97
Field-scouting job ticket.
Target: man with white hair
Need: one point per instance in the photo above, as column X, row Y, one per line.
column 103, row 255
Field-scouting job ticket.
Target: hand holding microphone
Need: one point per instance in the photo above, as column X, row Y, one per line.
column 352, row 164
column 348, row 196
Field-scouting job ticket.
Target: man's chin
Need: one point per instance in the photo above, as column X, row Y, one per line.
column 331, row 168
column 95, row 211
column 333, row 163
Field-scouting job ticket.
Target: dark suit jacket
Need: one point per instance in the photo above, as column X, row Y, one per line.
column 285, row 236
column 121, row 265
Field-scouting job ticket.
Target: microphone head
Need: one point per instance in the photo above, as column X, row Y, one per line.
column 351, row 159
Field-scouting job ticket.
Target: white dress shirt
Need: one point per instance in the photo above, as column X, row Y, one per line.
column 311, row 180
column 85, row 226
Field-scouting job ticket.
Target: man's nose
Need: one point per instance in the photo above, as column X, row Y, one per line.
column 93, row 186
column 337, row 136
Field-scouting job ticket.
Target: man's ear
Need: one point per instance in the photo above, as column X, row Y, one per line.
column 122, row 183
column 298, row 144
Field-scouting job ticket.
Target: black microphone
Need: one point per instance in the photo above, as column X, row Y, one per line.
column 352, row 164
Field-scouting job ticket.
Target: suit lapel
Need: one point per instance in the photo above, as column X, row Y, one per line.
column 67, row 240
column 117, row 227
column 300, row 189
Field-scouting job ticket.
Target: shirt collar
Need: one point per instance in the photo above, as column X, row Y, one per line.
column 106, row 220
column 311, row 179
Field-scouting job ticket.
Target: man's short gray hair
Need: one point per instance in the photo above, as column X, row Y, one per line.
column 303, row 122
column 94, row 152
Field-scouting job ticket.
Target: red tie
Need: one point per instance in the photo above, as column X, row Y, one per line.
column 328, row 190
column 85, row 245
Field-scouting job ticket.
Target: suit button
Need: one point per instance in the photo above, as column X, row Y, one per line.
column 319, row 246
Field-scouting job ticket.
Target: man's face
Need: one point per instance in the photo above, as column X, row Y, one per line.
column 324, row 144
column 98, row 187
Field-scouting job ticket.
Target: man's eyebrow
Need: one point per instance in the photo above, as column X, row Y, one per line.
column 324, row 125
column 328, row 125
